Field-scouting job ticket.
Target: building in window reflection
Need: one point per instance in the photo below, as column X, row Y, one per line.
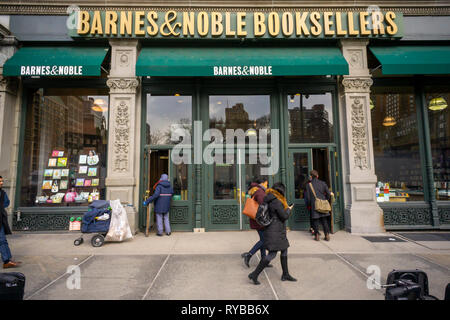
column 308, row 125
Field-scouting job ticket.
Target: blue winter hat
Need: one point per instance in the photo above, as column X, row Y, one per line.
column 164, row 177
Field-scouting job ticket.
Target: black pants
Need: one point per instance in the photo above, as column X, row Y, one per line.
column 325, row 225
column 272, row 254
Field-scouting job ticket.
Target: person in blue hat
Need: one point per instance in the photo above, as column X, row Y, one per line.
column 162, row 197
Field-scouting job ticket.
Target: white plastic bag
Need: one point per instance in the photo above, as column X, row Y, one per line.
column 119, row 229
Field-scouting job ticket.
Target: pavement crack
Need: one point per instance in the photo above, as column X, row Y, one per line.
column 52, row 282
column 270, row 283
column 159, row 271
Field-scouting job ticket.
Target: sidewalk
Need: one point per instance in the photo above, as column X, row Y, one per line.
column 208, row 265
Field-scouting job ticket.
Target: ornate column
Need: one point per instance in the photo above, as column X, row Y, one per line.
column 362, row 213
column 9, row 119
column 122, row 179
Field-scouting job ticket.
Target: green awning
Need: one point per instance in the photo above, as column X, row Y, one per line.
column 206, row 61
column 413, row 59
column 56, row 61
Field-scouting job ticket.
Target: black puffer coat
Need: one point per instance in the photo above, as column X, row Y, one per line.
column 275, row 234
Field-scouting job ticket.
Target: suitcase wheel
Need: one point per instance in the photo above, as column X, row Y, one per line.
column 78, row 241
column 97, row 240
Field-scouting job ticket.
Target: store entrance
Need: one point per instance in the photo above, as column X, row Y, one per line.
column 300, row 163
column 157, row 162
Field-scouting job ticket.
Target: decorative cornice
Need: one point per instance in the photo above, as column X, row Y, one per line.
column 9, row 85
column 357, row 84
column 25, row 9
column 122, row 85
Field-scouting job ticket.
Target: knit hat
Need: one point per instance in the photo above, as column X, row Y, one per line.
column 164, row 177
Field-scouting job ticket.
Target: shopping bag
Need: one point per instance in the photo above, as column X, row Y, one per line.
column 250, row 208
column 119, row 228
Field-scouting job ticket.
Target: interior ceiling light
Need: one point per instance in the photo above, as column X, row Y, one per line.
column 389, row 122
column 437, row 104
column 97, row 108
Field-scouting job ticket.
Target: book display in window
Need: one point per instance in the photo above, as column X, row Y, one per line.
column 55, row 179
column 86, row 179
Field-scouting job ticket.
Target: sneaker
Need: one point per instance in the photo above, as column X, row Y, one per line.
column 159, row 234
column 169, row 233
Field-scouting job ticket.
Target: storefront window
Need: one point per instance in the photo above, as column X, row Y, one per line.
column 225, row 178
column 300, row 174
column 439, row 122
column 180, row 182
column 64, row 151
column 310, row 118
column 165, row 114
column 250, row 113
column 396, row 147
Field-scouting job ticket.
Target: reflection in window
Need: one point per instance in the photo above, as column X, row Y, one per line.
column 253, row 168
column 310, row 118
column 165, row 114
column 396, row 147
column 65, row 143
column 180, row 182
column 225, row 179
column 439, row 120
column 300, row 174
column 249, row 113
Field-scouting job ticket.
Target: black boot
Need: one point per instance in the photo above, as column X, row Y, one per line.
column 247, row 256
column 284, row 266
column 254, row 275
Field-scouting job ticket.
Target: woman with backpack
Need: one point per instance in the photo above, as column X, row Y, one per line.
column 258, row 192
column 275, row 233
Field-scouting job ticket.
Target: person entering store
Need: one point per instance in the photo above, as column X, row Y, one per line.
column 318, row 189
column 162, row 197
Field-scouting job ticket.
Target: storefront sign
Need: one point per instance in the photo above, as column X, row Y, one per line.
column 229, row 25
column 242, row 70
column 51, row 70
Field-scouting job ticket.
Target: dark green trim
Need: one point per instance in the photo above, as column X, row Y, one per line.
column 426, row 156
column 23, row 117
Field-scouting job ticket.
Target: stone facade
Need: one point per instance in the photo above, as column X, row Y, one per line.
column 122, row 179
column 362, row 213
column 9, row 119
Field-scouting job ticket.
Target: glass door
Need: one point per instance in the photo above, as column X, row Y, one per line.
column 241, row 124
column 224, row 192
column 299, row 166
column 337, row 220
column 181, row 209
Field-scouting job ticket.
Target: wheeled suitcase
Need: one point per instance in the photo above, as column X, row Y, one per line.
column 12, row 286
